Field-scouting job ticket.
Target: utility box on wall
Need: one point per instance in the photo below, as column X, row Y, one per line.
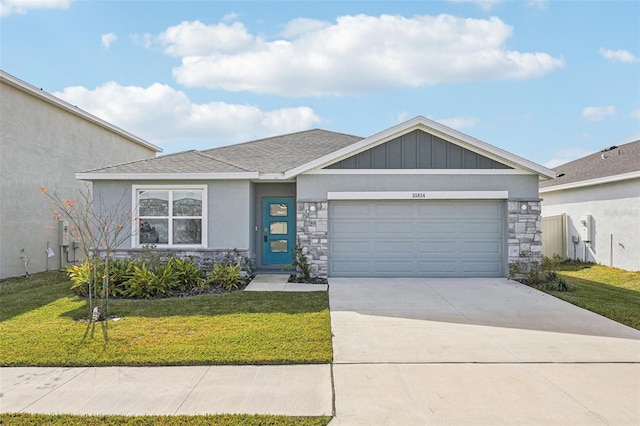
column 585, row 228
column 65, row 234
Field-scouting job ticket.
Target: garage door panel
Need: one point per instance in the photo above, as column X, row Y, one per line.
column 437, row 228
column 481, row 267
column 349, row 210
column 480, row 210
column 481, row 227
column 393, row 228
column 440, row 238
column 351, row 227
column 394, row 248
column 394, row 268
column 437, row 268
column 352, row 268
column 431, row 247
column 438, row 211
column 487, row 248
column 351, row 247
column 393, row 210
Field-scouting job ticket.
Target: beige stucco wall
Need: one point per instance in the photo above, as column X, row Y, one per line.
column 42, row 144
column 615, row 221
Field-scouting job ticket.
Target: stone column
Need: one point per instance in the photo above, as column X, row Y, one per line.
column 525, row 233
column 311, row 227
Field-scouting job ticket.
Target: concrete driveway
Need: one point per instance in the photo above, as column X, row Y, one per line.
column 477, row 351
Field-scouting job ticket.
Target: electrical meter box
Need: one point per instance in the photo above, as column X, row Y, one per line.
column 65, row 234
column 584, row 228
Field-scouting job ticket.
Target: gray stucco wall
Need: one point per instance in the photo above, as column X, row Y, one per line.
column 44, row 145
column 228, row 209
column 315, row 187
column 615, row 224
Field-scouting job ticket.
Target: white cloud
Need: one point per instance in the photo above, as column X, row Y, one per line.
column 538, row 4
column 300, row 26
column 622, row 56
column 356, row 54
column 485, row 5
column 108, row 39
column 21, row 7
column 195, row 38
column 459, row 122
column 566, row 155
column 230, row 16
column 635, row 113
column 161, row 114
column 598, row 113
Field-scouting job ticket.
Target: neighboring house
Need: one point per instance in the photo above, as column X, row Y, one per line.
column 418, row 199
column 43, row 142
column 591, row 211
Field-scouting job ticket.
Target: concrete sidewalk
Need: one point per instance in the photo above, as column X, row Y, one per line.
column 278, row 282
column 293, row 390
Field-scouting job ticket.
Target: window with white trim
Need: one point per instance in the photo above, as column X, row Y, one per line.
column 171, row 216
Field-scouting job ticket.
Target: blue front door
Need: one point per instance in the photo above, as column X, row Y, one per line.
column 278, row 230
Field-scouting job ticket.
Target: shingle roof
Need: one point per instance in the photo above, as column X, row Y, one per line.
column 610, row 162
column 182, row 162
column 282, row 153
column 270, row 155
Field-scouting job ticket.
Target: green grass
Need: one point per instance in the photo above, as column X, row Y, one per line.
column 209, row 420
column 39, row 325
column 613, row 293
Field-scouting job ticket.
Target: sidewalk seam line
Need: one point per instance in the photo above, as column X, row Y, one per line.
column 175, row 413
column 56, row 388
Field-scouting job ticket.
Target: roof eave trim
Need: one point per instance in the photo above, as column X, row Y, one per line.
column 591, row 182
column 434, row 128
column 167, row 176
column 49, row 98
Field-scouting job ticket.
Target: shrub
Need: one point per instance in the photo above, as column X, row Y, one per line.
column 539, row 274
column 301, row 266
column 186, row 272
column 226, row 276
column 146, row 283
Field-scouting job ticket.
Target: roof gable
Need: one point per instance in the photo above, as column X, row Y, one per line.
column 418, row 150
column 592, row 169
column 433, row 128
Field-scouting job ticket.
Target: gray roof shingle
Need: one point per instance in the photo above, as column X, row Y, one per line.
column 622, row 159
column 282, row 153
column 276, row 154
column 182, row 162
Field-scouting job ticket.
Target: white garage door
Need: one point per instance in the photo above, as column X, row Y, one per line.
column 417, row 238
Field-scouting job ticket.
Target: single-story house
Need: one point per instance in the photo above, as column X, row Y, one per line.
column 591, row 211
column 417, row 199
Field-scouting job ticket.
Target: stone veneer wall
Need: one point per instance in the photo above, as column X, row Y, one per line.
column 201, row 257
column 312, row 230
column 525, row 232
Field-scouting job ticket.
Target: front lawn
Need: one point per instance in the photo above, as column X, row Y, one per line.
column 613, row 293
column 41, row 324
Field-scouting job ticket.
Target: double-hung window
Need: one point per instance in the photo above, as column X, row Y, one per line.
column 170, row 215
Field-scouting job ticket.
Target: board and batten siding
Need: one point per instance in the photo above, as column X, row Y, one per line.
column 418, row 150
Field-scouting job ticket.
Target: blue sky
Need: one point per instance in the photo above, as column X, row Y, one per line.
column 550, row 81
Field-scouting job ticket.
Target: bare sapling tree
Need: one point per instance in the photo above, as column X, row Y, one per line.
column 100, row 228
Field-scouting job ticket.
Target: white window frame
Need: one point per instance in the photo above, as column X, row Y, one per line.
column 135, row 227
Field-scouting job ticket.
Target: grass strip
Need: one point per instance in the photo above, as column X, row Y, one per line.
column 22, row 419
column 610, row 292
column 42, row 324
